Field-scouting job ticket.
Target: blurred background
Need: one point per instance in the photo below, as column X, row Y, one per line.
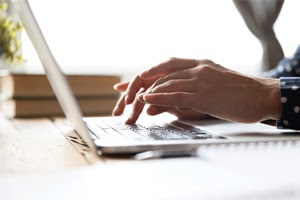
column 126, row 37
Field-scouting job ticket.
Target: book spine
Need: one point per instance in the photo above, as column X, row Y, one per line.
column 39, row 87
column 46, row 107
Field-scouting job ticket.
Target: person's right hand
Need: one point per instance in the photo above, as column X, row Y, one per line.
column 203, row 86
column 139, row 85
column 180, row 113
column 215, row 90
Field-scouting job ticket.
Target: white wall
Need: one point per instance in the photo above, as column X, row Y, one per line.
column 127, row 36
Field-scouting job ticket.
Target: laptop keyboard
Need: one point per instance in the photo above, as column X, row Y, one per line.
column 147, row 131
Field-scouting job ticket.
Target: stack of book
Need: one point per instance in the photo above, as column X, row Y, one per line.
column 30, row 95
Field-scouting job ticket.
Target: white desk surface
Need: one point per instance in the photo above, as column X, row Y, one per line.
column 38, row 161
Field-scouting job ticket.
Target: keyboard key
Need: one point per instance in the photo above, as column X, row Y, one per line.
column 188, row 127
column 155, row 136
column 136, row 127
column 150, row 135
column 114, row 134
column 96, row 131
column 131, row 135
column 219, row 137
column 148, row 125
column 172, row 128
column 101, row 124
column 148, row 131
column 118, row 126
column 171, row 136
column 201, row 136
column 158, row 129
column 186, row 134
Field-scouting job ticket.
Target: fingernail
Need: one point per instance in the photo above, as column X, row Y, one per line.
column 143, row 74
column 115, row 86
column 140, row 98
column 129, row 121
column 150, row 91
column 115, row 111
column 126, row 99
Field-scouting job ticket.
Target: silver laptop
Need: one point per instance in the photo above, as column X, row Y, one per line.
column 111, row 137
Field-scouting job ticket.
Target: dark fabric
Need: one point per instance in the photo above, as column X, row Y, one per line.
column 287, row 67
column 288, row 70
column 290, row 99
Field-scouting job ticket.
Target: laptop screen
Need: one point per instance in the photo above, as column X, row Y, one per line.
column 54, row 74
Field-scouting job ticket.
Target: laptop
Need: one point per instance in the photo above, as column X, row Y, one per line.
column 111, row 137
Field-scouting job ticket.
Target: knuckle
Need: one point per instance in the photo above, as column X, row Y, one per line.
column 220, row 67
column 136, row 77
column 204, row 68
column 207, row 61
column 172, row 60
column 170, row 83
column 159, row 81
column 162, row 79
column 140, row 91
column 132, row 84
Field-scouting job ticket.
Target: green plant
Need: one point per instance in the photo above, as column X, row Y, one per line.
column 10, row 37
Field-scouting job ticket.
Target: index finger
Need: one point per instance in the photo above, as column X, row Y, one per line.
column 121, row 87
column 133, row 87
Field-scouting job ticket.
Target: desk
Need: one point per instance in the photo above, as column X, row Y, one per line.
column 39, row 145
column 57, row 166
column 50, row 144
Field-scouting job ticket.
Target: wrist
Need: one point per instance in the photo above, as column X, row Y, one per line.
column 273, row 106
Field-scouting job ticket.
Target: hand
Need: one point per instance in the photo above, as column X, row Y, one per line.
column 138, row 85
column 181, row 113
column 212, row 89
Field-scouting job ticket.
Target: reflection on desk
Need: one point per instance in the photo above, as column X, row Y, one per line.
column 161, row 179
column 40, row 160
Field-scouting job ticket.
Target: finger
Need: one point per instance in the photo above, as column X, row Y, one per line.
column 182, row 74
column 169, row 82
column 134, row 86
column 121, row 87
column 175, row 99
column 137, row 109
column 155, row 110
column 181, row 113
column 120, row 105
column 140, row 97
column 172, row 86
column 174, row 64
column 169, row 86
column 171, row 65
column 160, row 109
column 188, row 114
